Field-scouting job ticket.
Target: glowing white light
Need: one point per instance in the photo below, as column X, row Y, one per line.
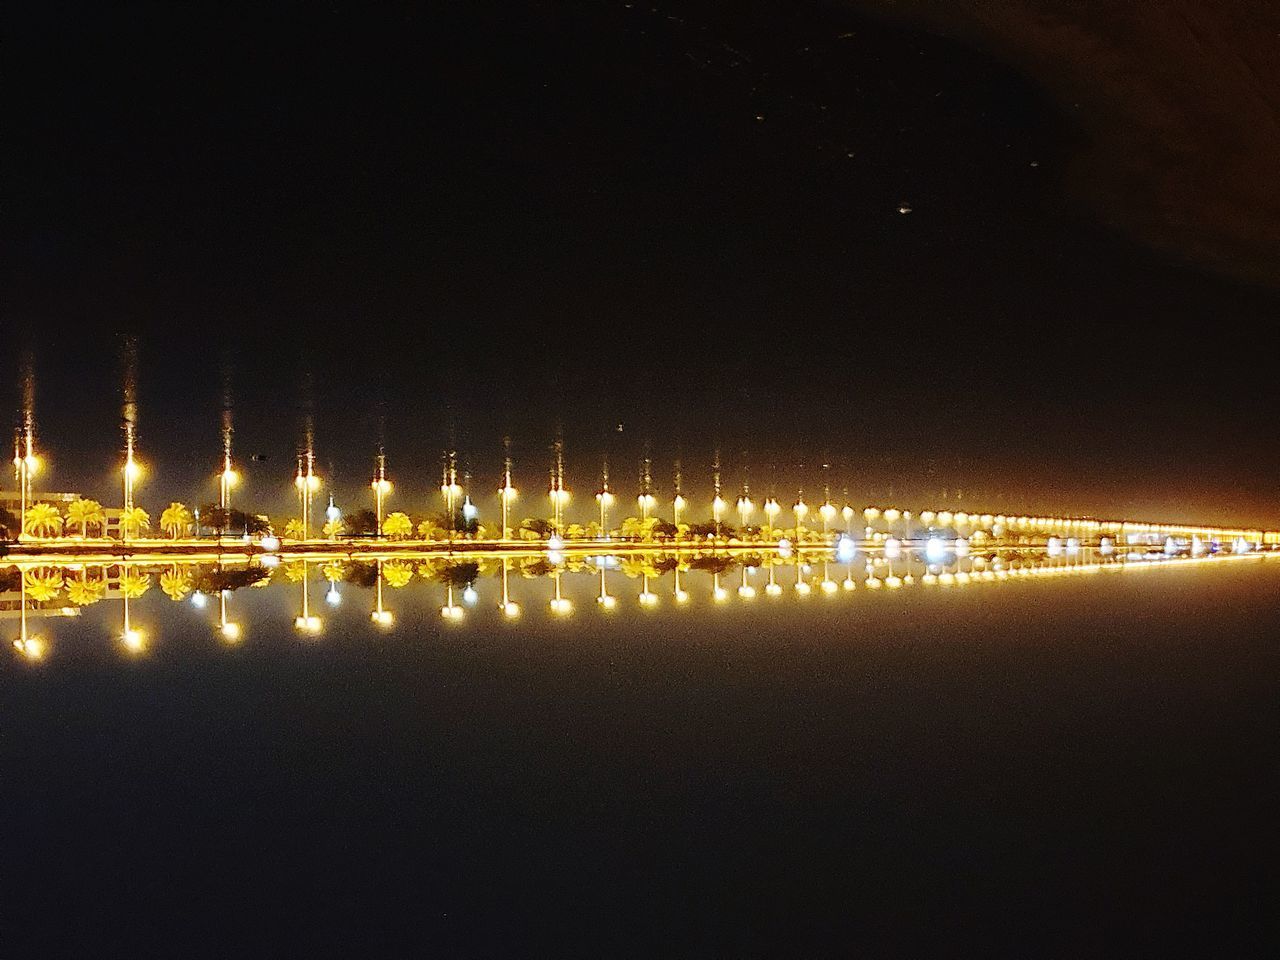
column 682, row 596
column 469, row 596
column 383, row 618
column 332, row 512
column 555, row 543
column 893, row 548
column 469, row 510
column 230, row 630
column 511, row 609
column 784, row 547
column 132, row 640
column 935, row 551
column 198, row 600
column 846, row 549
column 962, row 547
column 270, row 561
column 648, row 599
column 333, row 597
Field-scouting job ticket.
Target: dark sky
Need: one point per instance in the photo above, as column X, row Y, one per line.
column 476, row 218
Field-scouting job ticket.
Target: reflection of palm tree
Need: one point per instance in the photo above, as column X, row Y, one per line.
column 176, row 585
column 334, row 571
column 133, row 521
column 43, row 520
column 175, row 520
column 397, row 573
column 134, row 585
column 397, row 526
column 84, row 590
column 43, row 583
column 83, row 514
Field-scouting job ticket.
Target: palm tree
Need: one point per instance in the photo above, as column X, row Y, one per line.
column 334, row 571
column 397, row 526
column 333, row 529
column 293, row 529
column 176, row 519
column 43, row 583
column 43, row 520
column 428, row 529
column 85, row 513
column 133, row 521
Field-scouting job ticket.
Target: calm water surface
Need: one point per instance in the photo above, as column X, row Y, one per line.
column 1080, row 766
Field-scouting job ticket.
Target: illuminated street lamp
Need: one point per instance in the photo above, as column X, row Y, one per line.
column 801, row 510
column 450, row 489
column 646, row 501
column 507, row 494
column 771, row 510
column 717, row 502
column 380, row 486
column 678, row 502
column 332, row 514
column 745, row 506
column 556, row 493
column 828, row 513
column 605, row 500
column 25, row 466
column 307, row 483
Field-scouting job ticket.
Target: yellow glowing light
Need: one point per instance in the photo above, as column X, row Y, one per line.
column 230, row 477
column 719, row 594
column 870, row 513
column 773, row 589
column 828, row 511
column 32, row 463
column 746, row 591
column 648, row 599
column 383, row 618
column 231, row 631
column 558, row 495
column 607, row 601
column 511, row 609
column 772, row 508
column 32, row 648
column 307, row 624
column 682, row 596
column 508, row 492
column 803, row 588
column 299, row 481
column 313, row 482
column 829, row 586
column 562, row 606
column 605, row 497
column 892, row 515
column 132, row 469
column 745, row 506
column 133, row 640
column 800, row 509
column 381, row 486
column 647, row 500
column 679, row 502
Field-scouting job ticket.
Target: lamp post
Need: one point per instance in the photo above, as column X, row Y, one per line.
column 604, row 498
column 745, row 506
column 450, row 489
column 227, row 479
column 801, row 510
column 771, row 510
column 557, row 493
column 25, row 466
column 717, row 502
column 307, row 483
column 678, row 502
column 646, row 500
column 381, row 486
column 508, row 495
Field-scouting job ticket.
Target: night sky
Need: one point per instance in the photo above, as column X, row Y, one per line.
column 1030, row 254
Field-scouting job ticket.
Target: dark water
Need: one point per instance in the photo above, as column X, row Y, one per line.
column 1061, row 767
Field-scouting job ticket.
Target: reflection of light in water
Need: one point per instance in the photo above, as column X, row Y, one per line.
column 469, row 596
column 333, row 597
column 893, row 548
column 308, row 624
column 935, row 550
column 383, row 618
column 784, row 548
column 33, row 648
column 511, row 609
column 198, row 600
column 133, row 640
column 230, row 630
